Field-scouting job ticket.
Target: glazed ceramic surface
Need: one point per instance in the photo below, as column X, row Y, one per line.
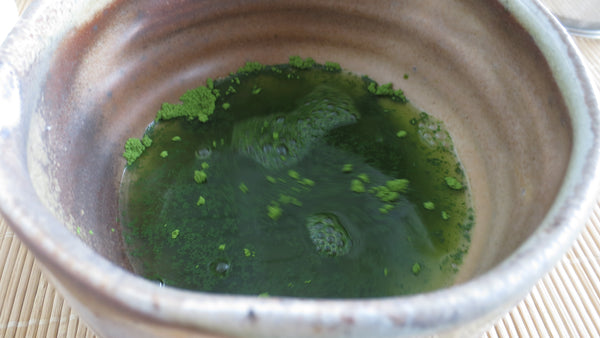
column 80, row 77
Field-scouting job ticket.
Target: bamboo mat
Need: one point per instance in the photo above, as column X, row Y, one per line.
column 565, row 303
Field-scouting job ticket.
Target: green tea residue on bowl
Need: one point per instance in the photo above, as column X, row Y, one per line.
column 296, row 180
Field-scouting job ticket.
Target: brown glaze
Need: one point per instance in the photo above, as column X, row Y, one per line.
column 482, row 75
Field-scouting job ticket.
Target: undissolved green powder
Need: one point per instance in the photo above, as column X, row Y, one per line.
column 297, row 179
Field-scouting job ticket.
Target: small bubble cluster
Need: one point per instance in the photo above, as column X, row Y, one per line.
column 219, row 267
column 328, row 234
column 203, row 153
column 431, row 132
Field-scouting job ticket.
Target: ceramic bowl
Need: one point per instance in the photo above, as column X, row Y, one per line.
column 80, row 77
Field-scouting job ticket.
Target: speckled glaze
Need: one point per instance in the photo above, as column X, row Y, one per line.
column 80, row 77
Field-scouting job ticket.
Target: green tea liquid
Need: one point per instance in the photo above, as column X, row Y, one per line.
column 302, row 183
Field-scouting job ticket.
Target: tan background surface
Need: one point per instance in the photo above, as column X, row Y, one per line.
column 565, row 303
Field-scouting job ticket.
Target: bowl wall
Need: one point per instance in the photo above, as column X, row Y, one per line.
column 483, row 76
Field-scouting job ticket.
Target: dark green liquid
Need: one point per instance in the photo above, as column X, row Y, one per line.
column 281, row 214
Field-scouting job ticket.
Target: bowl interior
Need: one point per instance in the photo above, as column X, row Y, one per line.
column 470, row 64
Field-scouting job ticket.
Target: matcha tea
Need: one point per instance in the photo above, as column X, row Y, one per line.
column 295, row 180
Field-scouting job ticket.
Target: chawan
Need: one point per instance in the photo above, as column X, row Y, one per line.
column 80, row 77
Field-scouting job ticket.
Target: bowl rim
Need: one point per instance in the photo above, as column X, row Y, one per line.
column 55, row 246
